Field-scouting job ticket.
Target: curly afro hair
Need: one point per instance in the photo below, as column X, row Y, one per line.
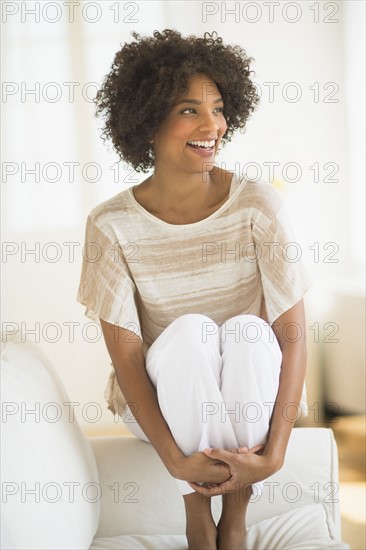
column 147, row 75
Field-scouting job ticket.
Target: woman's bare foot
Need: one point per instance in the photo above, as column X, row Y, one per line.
column 201, row 530
column 231, row 527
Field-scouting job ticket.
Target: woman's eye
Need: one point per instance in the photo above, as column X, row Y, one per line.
column 218, row 109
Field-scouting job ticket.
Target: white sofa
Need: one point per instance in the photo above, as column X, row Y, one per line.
column 61, row 490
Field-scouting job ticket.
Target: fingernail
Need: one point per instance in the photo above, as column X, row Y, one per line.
column 208, row 450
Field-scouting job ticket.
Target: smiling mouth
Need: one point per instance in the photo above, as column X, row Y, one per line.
column 208, row 145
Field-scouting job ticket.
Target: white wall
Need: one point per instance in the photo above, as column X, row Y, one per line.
column 314, row 54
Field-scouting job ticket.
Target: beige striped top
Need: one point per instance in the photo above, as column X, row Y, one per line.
column 140, row 272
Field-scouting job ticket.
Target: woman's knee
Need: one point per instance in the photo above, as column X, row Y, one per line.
column 194, row 325
column 191, row 333
column 248, row 329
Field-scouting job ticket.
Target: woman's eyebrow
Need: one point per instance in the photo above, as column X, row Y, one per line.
column 197, row 102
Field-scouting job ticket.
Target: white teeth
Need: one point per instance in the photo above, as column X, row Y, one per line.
column 207, row 144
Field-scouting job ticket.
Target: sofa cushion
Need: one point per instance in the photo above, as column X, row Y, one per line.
column 303, row 528
column 51, row 494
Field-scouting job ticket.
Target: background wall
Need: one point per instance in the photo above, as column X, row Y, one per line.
column 306, row 137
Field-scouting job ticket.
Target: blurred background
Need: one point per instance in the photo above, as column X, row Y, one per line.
column 306, row 138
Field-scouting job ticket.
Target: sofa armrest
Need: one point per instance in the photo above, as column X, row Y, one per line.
column 140, row 496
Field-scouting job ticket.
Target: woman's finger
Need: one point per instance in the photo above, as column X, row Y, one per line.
column 256, row 448
column 220, row 489
column 205, row 490
column 220, row 454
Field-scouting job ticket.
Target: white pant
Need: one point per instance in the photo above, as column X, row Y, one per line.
column 216, row 386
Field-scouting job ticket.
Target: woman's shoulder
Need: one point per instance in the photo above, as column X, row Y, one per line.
column 111, row 209
column 260, row 196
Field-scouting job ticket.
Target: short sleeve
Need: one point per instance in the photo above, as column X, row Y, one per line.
column 284, row 277
column 106, row 287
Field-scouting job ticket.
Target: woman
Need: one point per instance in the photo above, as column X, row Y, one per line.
column 201, row 309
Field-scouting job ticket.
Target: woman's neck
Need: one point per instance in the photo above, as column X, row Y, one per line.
column 195, row 199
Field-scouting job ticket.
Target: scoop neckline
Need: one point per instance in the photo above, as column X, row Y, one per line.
column 212, row 216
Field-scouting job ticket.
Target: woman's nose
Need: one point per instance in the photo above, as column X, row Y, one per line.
column 209, row 122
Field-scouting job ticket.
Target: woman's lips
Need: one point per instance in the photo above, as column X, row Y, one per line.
column 202, row 151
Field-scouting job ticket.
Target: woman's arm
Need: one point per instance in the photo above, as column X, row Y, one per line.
column 290, row 331
column 249, row 467
column 125, row 350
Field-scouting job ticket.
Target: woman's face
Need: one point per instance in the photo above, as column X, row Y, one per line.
column 196, row 116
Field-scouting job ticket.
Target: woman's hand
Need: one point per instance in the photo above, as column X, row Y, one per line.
column 247, row 466
column 201, row 468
